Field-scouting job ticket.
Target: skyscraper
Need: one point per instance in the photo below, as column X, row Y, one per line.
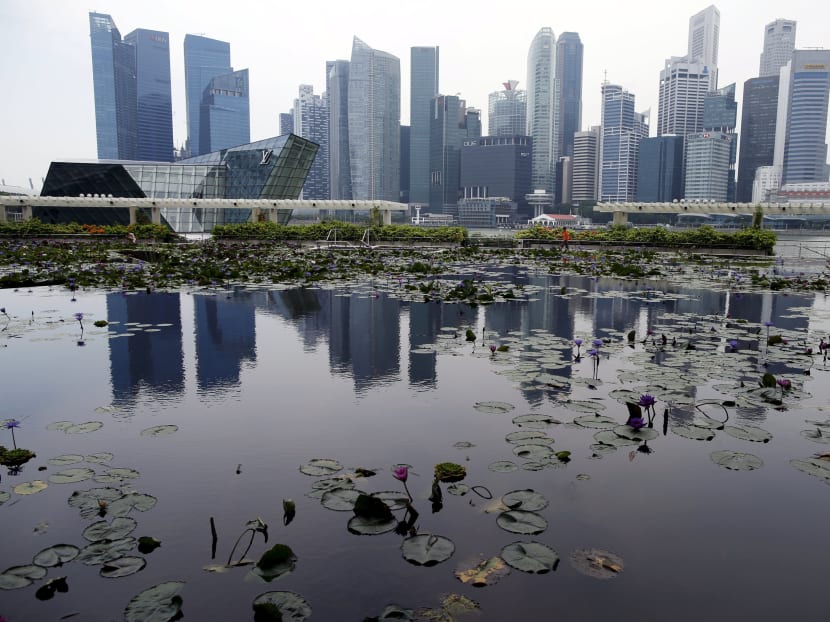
column 508, row 111
column 337, row 89
column 423, row 87
column 542, row 113
column 225, row 112
column 685, row 80
column 660, row 169
column 779, row 43
column 622, row 130
column 720, row 115
column 204, row 59
column 311, row 121
column 374, row 123
column 805, row 150
column 585, row 166
column 498, row 166
column 286, row 122
column 707, row 166
column 569, row 75
column 131, row 81
column 448, row 131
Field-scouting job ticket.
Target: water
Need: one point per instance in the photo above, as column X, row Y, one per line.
column 261, row 381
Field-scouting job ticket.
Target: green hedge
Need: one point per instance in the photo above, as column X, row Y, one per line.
column 36, row 227
column 750, row 238
column 345, row 232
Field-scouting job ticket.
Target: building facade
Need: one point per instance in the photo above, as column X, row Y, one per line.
column 707, row 166
column 585, row 166
column 374, row 113
column 758, row 122
column 569, row 73
column 448, row 132
column 311, row 121
column 498, row 166
column 337, row 89
column 660, row 169
column 508, row 111
column 542, row 109
column 423, row 88
column 622, row 131
column 225, row 113
column 720, row 114
column 779, row 43
column 204, row 59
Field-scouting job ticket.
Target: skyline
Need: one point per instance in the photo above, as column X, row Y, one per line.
column 52, row 115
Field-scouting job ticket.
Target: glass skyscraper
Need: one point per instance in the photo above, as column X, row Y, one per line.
column 374, row 115
column 311, row 121
column 204, row 59
column 660, row 169
column 508, row 111
column 224, row 115
column 337, row 88
column 542, row 109
column 622, row 130
column 779, row 43
column 133, row 102
column 423, row 88
column 569, row 74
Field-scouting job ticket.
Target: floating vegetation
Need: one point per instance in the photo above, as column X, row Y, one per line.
column 493, row 408
column 535, row 422
column 526, row 499
column 736, row 461
column 693, row 432
column 532, row 557
column 480, row 573
column 275, row 562
column 503, row 466
column 30, row 488
column 160, row 603
column 160, row 430
column 319, row 467
column 340, row 499
column 122, row 567
column 281, row 606
column 427, row 549
column 600, row 422
column 528, row 436
column 817, row 467
column 597, row 563
column 522, row 522
column 70, row 476
column 120, row 527
column 65, row 460
column 449, row 472
column 748, row 432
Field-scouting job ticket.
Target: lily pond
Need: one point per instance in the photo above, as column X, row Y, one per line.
column 582, row 448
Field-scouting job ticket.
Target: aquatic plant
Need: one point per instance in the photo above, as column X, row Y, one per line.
column 11, row 424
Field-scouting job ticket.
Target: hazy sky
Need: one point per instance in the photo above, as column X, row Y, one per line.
column 47, row 111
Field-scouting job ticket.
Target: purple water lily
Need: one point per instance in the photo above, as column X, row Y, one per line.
column 11, row 424
column 646, row 400
column 401, row 473
column 597, row 343
column 493, row 348
column 636, row 422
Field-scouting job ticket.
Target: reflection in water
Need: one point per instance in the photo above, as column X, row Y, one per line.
column 225, row 338
column 151, row 360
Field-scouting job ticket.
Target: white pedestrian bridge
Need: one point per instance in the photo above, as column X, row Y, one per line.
column 621, row 210
column 274, row 210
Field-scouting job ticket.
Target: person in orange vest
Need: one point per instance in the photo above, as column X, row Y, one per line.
column 566, row 237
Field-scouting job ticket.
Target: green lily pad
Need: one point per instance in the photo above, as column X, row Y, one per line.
column 60, row 425
column 65, row 460
column 503, row 466
column 340, row 499
column 817, row 436
column 114, row 476
column 527, row 500
column 30, row 488
column 90, row 502
column 4, row 496
column 322, row 486
column 814, row 466
column 427, row 549
column 30, row 571
column 13, row 582
column 599, row 422
column 105, row 551
column 532, row 557
column 70, row 476
column 521, row 437
column 522, row 522
column 535, row 421
column 736, row 461
column 99, row 458
column 482, row 573
column 160, row 430
column 131, row 501
column 641, row 434
column 291, row 606
column 318, row 467
column 747, row 432
column 693, row 432
column 584, row 406
column 160, row 603
column 493, row 408
column 597, row 563
column 84, row 428
column 458, row 489
column 368, row 527
column 275, row 562
column 392, row 498
column 56, row 555
column 535, row 453
column 122, row 567
column 120, row 527
column 609, row 437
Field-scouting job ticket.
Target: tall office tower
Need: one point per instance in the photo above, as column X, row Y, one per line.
column 508, row 111
column 311, row 121
column 225, row 113
column 133, row 102
column 423, row 88
column 707, row 166
column 758, row 123
column 805, row 149
column 660, row 169
column 685, row 80
column 405, row 134
column 498, row 166
column 473, row 123
column 585, row 166
column 448, row 130
column 374, row 123
column 622, row 131
column 720, row 114
column 779, row 43
column 337, row 89
column 286, row 123
column 542, row 112
column 569, row 74
column 204, row 59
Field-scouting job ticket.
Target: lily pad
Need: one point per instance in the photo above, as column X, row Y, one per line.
column 291, row 606
column 30, row 571
column 736, row 461
column 30, row 488
column 102, row 530
column 458, row 489
column 105, row 551
column 131, row 501
column 160, row 603
column 318, row 467
column 693, row 432
column 641, row 434
column 527, row 499
column 99, row 458
column 392, row 498
column 482, row 573
column 609, row 437
column 65, row 460
column 322, row 486
column 91, row 502
column 600, row 422
column 56, row 555
column 493, row 408
column 584, row 406
column 160, row 430
column 532, row 557
column 815, row 467
column 59, row 425
column 4, row 496
column 747, row 432
column 535, row 421
column 275, row 562
column 521, row 437
column 597, row 563
column 13, row 582
column 70, row 476
column 503, row 466
column 84, row 428
column 536, row 453
column 122, row 567
column 115, row 476
column 427, row 549
column 522, row 522
column 368, row 527
column 817, row 435
column 340, row 499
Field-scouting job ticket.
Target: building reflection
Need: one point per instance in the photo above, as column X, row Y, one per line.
column 225, row 331
column 146, row 361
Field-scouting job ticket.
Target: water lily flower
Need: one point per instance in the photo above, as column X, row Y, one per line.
column 636, row 422
column 597, row 343
column 11, row 424
column 79, row 317
column 647, row 400
column 733, row 343
column 493, row 348
column 401, row 473
column 784, row 383
column 578, row 342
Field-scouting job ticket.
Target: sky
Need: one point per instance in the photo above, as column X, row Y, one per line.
column 47, row 111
